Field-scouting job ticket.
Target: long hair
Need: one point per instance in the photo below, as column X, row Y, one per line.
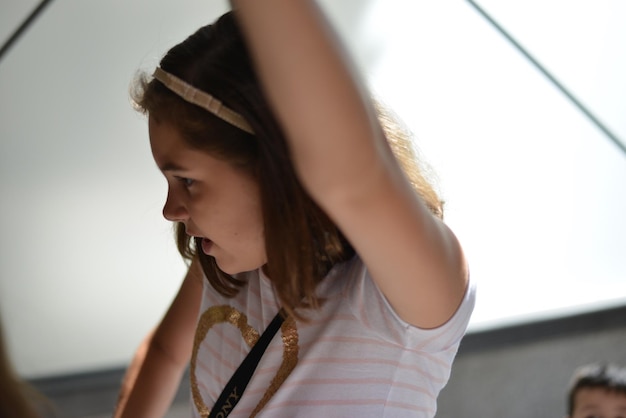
column 302, row 243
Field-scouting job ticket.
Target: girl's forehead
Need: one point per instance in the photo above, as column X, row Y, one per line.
column 169, row 150
column 163, row 137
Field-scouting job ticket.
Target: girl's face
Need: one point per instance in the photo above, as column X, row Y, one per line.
column 213, row 199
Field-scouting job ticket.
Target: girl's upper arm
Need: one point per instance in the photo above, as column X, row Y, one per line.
column 174, row 334
column 344, row 162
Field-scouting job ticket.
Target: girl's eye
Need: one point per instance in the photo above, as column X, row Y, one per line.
column 185, row 181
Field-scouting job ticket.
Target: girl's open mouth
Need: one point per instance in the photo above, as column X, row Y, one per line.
column 206, row 245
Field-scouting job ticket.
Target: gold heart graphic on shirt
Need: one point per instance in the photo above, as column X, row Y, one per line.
column 227, row 314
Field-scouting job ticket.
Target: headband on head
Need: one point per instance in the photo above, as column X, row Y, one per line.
column 200, row 98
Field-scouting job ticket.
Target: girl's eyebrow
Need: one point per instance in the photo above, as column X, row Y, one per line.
column 171, row 166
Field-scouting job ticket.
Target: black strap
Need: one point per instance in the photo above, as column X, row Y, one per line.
column 237, row 384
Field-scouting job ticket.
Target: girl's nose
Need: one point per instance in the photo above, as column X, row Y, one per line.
column 174, row 210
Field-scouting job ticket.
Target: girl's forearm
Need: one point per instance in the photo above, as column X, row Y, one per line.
column 149, row 385
column 316, row 94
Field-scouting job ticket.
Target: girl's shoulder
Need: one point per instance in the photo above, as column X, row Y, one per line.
column 350, row 286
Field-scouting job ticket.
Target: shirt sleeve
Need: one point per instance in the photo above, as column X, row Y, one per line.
column 378, row 316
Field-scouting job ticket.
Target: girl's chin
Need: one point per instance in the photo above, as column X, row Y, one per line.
column 233, row 267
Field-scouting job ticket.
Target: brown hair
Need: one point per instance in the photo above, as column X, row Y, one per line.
column 607, row 376
column 17, row 397
column 301, row 242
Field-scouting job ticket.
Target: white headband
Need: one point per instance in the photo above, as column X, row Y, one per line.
column 200, row 98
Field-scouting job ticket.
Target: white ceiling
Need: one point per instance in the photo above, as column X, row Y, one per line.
column 534, row 190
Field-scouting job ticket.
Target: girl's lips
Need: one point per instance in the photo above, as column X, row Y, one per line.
column 192, row 233
column 206, row 245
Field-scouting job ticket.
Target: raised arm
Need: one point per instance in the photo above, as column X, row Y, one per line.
column 344, row 162
column 154, row 375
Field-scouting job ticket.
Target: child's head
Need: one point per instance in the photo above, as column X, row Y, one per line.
column 597, row 391
column 301, row 242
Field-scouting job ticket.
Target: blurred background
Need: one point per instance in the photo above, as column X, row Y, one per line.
column 529, row 156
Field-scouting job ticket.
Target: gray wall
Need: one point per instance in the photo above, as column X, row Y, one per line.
column 523, row 371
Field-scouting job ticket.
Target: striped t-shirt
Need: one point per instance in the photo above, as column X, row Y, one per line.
column 353, row 358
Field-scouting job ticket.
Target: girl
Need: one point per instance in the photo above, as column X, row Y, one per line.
column 291, row 206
